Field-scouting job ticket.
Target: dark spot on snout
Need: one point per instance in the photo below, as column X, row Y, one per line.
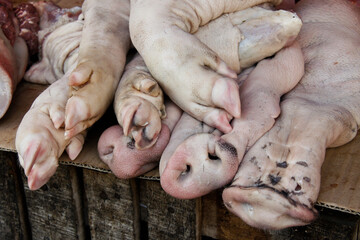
column 302, row 163
column 228, row 147
column 131, row 144
column 282, row 164
column 307, row 179
column 263, row 147
column 274, row 179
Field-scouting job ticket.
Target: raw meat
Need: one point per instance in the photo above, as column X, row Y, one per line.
column 239, row 38
column 162, row 33
column 13, row 56
column 278, row 181
column 40, row 137
column 198, row 159
column 102, row 54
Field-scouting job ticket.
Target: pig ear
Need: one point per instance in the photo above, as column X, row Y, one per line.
column 40, row 73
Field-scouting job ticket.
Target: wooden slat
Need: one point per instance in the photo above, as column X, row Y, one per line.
column 51, row 209
column 12, row 219
column 219, row 223
column 331, row 225
column 109, row 205
column 166, row 217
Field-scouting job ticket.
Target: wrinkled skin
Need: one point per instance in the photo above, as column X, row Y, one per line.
column 102, row 54
column 278, row 180
column 199, row 160
column 139, row 100
column 161, row 32
column 139, row 104
column 40, row 137
column 120, row 154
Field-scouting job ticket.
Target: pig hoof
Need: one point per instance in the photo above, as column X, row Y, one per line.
column 81, row 75
column 38, row 160
column 279, row 176
column 202, row 163
column 124, row 160
column 141, row 121
column 77, row 115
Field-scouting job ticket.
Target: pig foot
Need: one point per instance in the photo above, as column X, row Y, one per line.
column 40, row 136
column 90, row 101
column 124, row 159
column 100, row 64
column 208, row 88
column 139, row 104
column 278, row 180
column 203, row 162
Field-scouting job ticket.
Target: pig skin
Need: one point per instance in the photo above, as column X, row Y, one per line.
column 13, row 62
column 161, row 32
column 100, row 63
column 124, row 159
column 199, row 161
column 40, row 137
column 40, row 147
column 278, row 181
column 13, row 55
column 141, row 111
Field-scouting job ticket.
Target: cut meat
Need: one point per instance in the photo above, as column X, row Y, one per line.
column 278, row 180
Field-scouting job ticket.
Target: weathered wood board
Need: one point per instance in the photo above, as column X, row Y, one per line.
column 330, row 225
column 166, row 217
column 110, row 206
column 52, row 209
column 12, row 219
column 219, row 223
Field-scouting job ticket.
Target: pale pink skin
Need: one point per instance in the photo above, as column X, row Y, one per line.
column 278, row 180
column 124, row 159
column 102, row 54
column 187, row 63
column 201, row 161
column 138, row 100
column 40, row 137
column 249, row 36
column 139, row 104
column 13, row 62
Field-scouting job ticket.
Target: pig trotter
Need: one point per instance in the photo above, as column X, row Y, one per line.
column 279, row 177
column 124, row 159
column 139, row 104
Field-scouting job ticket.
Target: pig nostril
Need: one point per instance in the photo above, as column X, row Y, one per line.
column 108, row 150
column 212, row 157
column 188, row 168
column 298, row 188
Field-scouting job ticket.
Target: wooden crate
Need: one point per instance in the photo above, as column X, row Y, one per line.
column 13, row 219
column 112, row 213
column 52, row 209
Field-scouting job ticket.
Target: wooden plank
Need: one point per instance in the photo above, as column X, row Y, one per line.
column 166, row 217
column 331, row 225
column 13, row 222
column 109, row 205
column 219, row 223
column 51, row 209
